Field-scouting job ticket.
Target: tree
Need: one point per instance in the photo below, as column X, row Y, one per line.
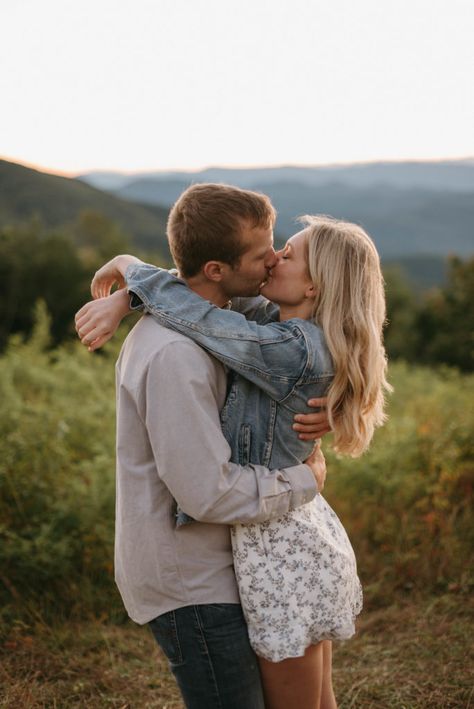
column 400, row 335
column 33, row 265
column 445, row 323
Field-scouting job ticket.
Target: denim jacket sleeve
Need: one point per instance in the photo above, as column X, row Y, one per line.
column 273, row 356
column 260, row 309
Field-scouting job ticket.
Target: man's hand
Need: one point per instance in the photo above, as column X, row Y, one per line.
column 111, row 273
column 97, row 321
column 313, row 426
column 317, row 464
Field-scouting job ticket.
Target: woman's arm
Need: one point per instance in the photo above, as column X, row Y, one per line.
column 97, row 321
column 273, row 356
column 257, row 308
column 253, row 350
column 111, row 273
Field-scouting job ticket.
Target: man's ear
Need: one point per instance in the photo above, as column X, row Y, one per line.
column 215, row 270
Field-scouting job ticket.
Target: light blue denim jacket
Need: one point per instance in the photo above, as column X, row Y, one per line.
column 275, row 367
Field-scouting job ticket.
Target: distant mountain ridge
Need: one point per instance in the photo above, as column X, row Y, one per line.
column 410, row 209
column 453, row 175
column 26, row 193
column 414, row 228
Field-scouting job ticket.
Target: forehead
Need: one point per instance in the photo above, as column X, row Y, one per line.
column 297, row 241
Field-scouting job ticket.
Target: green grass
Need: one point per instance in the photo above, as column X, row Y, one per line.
column 410, row 655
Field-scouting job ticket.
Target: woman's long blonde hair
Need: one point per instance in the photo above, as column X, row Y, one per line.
column 350, row 308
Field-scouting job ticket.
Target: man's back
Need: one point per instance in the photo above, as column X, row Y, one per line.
column 169, row 448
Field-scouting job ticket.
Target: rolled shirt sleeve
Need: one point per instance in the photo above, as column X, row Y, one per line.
column 192, row 455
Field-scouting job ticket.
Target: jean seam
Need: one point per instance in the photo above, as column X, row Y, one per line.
column 174, row 628
column 203, row 639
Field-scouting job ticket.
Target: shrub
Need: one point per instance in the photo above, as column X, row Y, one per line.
column 407, row 504
column 57, row 417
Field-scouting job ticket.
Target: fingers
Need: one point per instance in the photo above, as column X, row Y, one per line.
column 101, row 286
column 311, row 419
column 96, row 338
column 84, row 330
column 321, row 402
column 81, row 313
column 99, row 342
column 89, row 335
column 313, row 436
column 108, row 275
column 87, row 327
column 312, row 426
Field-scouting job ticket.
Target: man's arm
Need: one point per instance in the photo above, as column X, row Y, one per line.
column 192, row 455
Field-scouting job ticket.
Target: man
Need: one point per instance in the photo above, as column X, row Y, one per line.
column 171, row 452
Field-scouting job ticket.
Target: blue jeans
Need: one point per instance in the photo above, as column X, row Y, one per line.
column 210, row 656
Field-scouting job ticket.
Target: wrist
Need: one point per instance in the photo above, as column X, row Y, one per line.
column 123, row 261
column 122, row 299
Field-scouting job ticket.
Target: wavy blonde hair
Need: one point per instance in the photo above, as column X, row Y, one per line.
column 350, row 308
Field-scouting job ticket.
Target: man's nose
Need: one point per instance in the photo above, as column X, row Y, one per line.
column 271, row 259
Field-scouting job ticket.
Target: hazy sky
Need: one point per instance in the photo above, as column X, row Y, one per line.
column 159, row 84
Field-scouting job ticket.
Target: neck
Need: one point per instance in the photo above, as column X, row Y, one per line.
column 302, row 310
column 208, row 290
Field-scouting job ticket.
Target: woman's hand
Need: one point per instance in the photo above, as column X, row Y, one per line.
column 97, row 321
column 312, row 426
column 112, row 272
column 317, row 463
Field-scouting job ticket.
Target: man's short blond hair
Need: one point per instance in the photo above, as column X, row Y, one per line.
column 205, row 224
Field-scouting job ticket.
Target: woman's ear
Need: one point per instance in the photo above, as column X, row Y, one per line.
column 310, row 292
column 214, row 270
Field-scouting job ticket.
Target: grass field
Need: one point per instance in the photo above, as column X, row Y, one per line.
column 411, row 655
column 407, row 506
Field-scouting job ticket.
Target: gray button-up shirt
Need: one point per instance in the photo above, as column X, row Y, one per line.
column 170, row 450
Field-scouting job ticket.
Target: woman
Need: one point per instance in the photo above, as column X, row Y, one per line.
column 297, row 574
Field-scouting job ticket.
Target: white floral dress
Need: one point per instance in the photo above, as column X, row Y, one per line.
column 297, row 580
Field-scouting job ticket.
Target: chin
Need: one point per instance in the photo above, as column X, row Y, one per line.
column 266, row 291
column 252, row 292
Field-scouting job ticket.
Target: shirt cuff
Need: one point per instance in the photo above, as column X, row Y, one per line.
column 304, row 487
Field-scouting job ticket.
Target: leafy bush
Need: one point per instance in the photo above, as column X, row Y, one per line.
column 406, row 504
column 56, row 475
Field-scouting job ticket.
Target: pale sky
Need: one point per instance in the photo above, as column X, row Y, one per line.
column 162, row 84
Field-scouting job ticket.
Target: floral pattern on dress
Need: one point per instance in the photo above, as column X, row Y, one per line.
column 297, row 579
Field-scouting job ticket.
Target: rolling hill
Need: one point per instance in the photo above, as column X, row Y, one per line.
column 57, row 201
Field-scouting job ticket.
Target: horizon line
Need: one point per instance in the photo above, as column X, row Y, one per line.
column 234, row 166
